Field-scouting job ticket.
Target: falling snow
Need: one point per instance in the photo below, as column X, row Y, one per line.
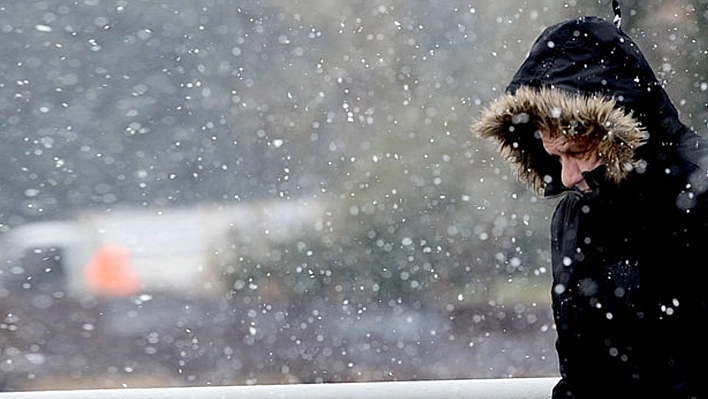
column 206, row 193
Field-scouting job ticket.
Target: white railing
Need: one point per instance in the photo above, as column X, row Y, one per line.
column 512, row 388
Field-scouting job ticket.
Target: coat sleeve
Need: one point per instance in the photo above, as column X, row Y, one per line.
column 563, row 246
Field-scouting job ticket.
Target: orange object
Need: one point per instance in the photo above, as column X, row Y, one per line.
column 109, row 272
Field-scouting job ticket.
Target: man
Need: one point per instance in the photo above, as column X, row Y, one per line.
column 585, row 120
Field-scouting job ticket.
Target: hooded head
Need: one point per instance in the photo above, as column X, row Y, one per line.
column 587, row 80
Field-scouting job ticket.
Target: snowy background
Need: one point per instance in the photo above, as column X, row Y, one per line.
column 428, row 259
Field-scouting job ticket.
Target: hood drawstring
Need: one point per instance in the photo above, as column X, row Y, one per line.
column 618, row 14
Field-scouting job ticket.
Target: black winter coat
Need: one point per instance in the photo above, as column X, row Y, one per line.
column 630, row 261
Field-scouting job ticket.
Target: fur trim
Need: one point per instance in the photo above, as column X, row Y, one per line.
column 516, row 121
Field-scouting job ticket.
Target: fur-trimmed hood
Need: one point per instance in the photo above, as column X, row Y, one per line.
column 516, row 121
column 589, row 80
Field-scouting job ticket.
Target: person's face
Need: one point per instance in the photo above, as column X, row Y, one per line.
column 575, row 158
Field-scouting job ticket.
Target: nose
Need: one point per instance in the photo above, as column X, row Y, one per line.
column 571, row 172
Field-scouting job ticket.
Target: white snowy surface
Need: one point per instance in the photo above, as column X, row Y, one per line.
column 511, row 388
